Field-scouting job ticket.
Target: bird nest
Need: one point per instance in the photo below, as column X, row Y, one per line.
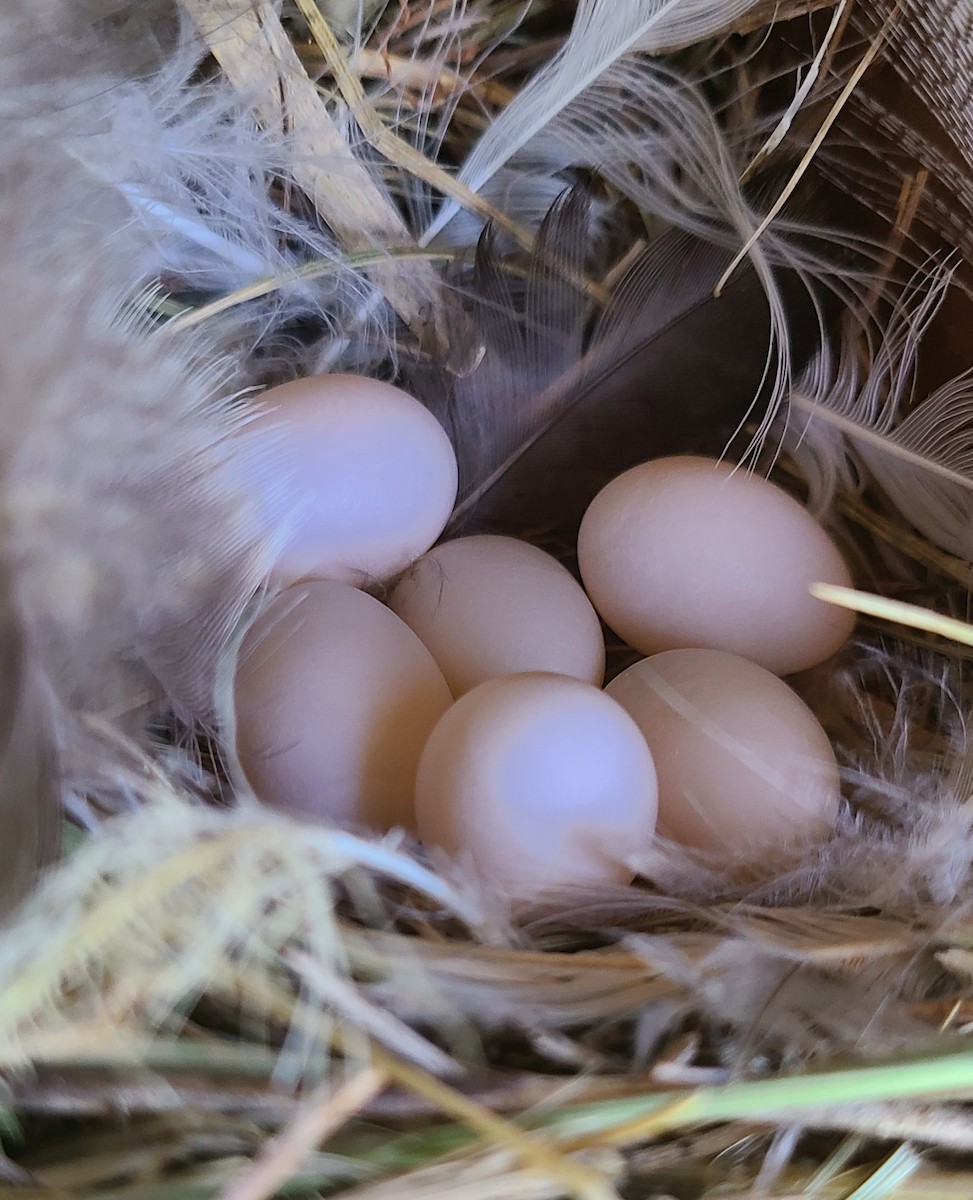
column 584, row 234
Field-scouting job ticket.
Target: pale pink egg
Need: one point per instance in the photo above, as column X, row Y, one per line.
column 361, row 479
column 491, row 606
column 334, row 700
column 745, row 769
column 686, row 552
column 540, row 782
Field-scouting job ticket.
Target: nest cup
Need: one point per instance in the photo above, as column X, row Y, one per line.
column 584, row 236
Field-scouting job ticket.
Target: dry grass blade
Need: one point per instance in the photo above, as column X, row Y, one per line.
column 535, row 1152
column 188, row 318
column 324, row 1112
column 376, row 1022
column 816, row 143
column 414, row 73
column 140, row 929
column 558, row 989
column 820, row 936
column 832, row 36
column 897, row 611
column 888, row 1179
column 248, row 40
column 389, row 144
column 771, row 12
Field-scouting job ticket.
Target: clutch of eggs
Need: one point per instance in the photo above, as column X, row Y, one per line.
column 469, row 708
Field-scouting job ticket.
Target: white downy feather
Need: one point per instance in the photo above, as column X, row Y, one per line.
column 121, row 515
column 603, row 32
column 921, row 455
column 188, row 172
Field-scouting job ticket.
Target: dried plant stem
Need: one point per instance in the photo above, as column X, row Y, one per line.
column 245, row 36
column 912, row 615
column 376, row 1022
column 770, row 11
column 535, row 1154
column 402, row 154
column 407, row 72
column 312, row 270
column 323, row 1113
column 576, row 1178
column 816, row 142
column 910, row 197
column 813, row 74
column 394, row 148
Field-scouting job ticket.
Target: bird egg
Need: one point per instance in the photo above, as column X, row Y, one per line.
column 744, row 767
column 490, row 606
column 540, row 782
column 361, row 479
column 334, row 700
column 688, row 552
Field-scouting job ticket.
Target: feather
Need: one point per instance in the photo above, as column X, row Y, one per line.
column 663, row 152
column 554, row 408
column 122, row 516
column 186, row 172
column 602, row 33
column 932, row 47
column 842, row 418
column 907, row 129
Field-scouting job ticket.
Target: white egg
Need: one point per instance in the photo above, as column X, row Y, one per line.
column 540, row 782
column 361, row 481
column 490, row 606
column 686, row 552
column 334, row 700
column 745, row 770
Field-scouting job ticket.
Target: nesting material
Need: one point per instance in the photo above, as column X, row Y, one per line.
column 744, row 767
column 541, row 783
column 363, row 480
column 335, row 698
column 170, row 999
column 688, row 552
column 492, row 606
